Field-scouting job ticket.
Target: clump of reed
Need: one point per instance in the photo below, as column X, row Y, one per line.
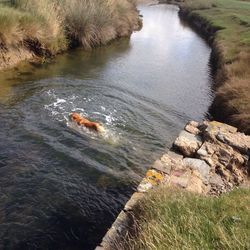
column 94, row 22
column 54, row 24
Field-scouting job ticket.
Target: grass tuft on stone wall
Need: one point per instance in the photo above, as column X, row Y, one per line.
column 174, row 219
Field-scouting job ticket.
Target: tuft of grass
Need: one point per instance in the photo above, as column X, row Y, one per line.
column 18, row 25
column 9, row 27
column 94, row 22
column 175, row 219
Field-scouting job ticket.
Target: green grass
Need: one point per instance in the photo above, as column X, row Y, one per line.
column 232, row 98
column 232, row 19
column 173, row 219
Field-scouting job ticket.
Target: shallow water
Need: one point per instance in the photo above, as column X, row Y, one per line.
column 62, row 186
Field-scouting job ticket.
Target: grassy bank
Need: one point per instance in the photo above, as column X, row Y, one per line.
column 173, row 219
column 48, row 27
column 231, row 19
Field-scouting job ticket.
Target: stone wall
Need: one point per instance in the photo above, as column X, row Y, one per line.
column 208, row 158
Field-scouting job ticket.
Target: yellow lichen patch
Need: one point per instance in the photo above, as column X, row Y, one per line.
column 154, row 177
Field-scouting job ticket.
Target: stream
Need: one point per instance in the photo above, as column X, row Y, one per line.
column 61, row 185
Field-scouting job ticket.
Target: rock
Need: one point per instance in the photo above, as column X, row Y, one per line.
column 99, row 248
column 179, row 181
column 223, row 159
column 202, row 152
column 174, row 156
column 216, row 180
column 144, row 186
column 214, row 128
column 117, row 231
column 192, row 127
column 238, row 141
column 199, row 165
column 162, row 167
column 217, row 185
column 171, row 160
column 188, row 143
column 180, row 178
column 193, row 124
column 196, row 184
column 133, row 201
column 222, row 127
column 153, row 178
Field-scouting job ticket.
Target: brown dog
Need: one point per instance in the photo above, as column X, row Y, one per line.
column 81, row 121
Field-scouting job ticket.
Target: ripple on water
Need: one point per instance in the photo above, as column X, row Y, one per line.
column 61, row 184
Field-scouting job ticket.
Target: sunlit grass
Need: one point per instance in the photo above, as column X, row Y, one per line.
column 173, row 219
column 232, row 19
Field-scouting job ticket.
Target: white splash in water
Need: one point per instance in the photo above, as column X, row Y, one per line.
column 60, row 109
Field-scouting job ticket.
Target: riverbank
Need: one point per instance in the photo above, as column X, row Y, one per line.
column 40, row 30
column 226, row 26
column 207, row 159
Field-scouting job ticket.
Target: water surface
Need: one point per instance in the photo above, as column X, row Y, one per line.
column 62, row 186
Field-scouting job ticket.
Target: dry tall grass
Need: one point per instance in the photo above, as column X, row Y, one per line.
column 94, row 22
column 52, row 24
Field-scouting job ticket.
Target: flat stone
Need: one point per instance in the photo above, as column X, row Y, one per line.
column 162, row 167
column 188, row 143
column 180, row 178
column 179, row 181
column 193, row 124
column 192, row 127
column 172, row 160
column 117, row 231
column 122, row 222
column 239, row 141
column 179, row 172
column 201, row 166
column 144, row 186
column 202, row 152
column 100, row 248
column 133, row 201
column 174, row 156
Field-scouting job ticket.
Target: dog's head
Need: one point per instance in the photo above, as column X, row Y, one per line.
column 75, row 117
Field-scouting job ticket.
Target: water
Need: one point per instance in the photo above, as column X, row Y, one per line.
column 62, row 186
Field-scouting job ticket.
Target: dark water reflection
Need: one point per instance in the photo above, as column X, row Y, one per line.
column 61, row 187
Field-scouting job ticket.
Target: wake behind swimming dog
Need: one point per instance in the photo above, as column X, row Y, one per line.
column 82, row 121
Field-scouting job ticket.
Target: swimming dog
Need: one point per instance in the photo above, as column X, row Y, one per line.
column 81, row 121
